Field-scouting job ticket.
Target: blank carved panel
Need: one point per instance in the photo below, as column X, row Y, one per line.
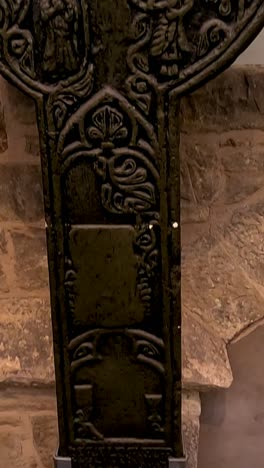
column 103, row 256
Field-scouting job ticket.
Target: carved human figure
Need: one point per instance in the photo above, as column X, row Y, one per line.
column 60, row 22
column 169, row 41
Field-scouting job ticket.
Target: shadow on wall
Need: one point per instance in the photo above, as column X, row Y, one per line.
column 232, row 421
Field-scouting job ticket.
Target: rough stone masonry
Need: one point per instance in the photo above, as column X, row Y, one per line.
column 222, row 149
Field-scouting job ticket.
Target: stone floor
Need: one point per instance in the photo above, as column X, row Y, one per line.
column 28, row 432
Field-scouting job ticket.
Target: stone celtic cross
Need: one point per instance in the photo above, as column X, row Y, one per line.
column 107, row 77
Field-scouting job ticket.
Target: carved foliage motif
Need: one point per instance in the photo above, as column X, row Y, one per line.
column 121, row 151
column 16, row 42
column 69, row 284
column 167, row 35
column 65, row 99
column 109, row 136
column 174, row 40
column 44, row 42
column 147, row 247
column 127, row 187
column 124, row 160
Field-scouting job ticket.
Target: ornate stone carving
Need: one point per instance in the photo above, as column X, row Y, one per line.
column 45, row 43
column 88, row 354
column 126, row 184
column 154, row 409
column 112, row 457
column 110, row 136
column 168, row 41
column 69, row 283
column 105, row 85
column 146, row 348
column 84, row 428
column 147, row 247
column 59, row 22
column 176, row 42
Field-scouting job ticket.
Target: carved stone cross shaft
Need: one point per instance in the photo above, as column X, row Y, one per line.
column 106, row 77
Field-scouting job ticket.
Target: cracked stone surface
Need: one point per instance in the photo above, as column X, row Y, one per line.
column 205, row 360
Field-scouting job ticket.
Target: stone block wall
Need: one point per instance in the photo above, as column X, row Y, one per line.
column 25, row 329
column 222, row 165
column 222, row 168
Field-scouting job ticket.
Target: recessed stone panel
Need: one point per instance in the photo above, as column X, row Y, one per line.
column 106, row 269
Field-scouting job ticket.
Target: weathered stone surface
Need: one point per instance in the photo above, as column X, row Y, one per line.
column 202, row 177
column 27, row 399
column 222, row 214
column 17, row 450
column 5, row 262
column 240, row 150
column 14, row 454
column 20, row 192
column 216, row 288
column 18, row 107
column 31, row 265
column 45, row 435
column 205, row 360
column 28, row 428
column 241, row 155
column 25, row 340
column 4, row 288
column 191, row 410
column 233, row 100
column 3, row 242
column 32, row 145
column 243, row 237
column 219, row 170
